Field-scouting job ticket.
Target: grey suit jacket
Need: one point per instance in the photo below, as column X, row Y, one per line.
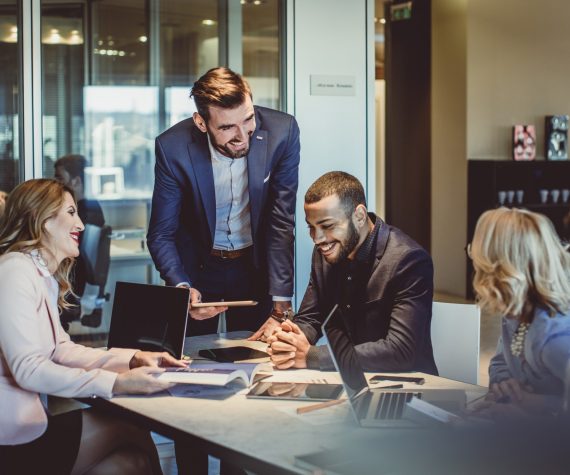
column 391, row 327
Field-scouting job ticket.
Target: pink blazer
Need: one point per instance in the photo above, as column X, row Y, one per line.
column 37, row 355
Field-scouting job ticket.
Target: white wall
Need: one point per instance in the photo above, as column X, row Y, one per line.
column 331, row 37
column 448, row 145
column 518, row 69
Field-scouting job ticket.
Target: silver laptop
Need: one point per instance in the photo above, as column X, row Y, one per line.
column 377, row 407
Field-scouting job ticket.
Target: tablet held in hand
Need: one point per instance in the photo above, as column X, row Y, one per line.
column 229, row 303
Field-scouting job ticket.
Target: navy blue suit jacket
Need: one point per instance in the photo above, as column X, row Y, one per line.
column 183, row 217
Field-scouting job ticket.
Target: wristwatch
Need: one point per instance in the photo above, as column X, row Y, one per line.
column 282, row 316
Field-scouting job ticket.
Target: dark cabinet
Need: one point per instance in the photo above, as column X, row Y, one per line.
column 541, row 186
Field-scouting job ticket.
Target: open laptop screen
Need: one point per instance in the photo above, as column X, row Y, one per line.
column 149, row 317
column 343, row 354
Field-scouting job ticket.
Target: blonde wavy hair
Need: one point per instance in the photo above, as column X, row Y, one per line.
column 520, row 264
column 22, row 228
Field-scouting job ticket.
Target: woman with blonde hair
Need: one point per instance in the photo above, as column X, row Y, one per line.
column 39, row 237
column 522, row 273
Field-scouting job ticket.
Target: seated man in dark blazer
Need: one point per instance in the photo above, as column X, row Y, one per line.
column 380, row 277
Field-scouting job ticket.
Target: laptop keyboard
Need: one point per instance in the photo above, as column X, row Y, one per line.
column 391, row 404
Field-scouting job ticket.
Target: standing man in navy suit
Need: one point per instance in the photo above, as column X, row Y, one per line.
column 223, row 208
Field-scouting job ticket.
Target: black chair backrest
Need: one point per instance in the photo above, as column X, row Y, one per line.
column 96, row 252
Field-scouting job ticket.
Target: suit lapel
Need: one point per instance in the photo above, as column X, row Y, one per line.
column 256, row 175
column 204, row 176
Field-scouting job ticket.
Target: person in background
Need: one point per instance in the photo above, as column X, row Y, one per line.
column 522, row 274
column 39, row 240
column 3, row 196
column 70, row 170
column 381, row 279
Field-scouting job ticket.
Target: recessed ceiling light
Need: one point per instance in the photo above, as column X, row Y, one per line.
column 208, row 22
column 383, row 20
column 143, row 39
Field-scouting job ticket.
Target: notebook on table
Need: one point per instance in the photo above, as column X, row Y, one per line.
column 376, row 407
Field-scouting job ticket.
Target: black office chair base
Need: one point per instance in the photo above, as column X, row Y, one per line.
column 92, row 320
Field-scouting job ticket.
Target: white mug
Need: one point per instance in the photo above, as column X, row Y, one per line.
column 502, row 197
column 510, row 196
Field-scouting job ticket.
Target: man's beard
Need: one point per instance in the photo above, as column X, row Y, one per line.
column 226, row 151
column 348, row 245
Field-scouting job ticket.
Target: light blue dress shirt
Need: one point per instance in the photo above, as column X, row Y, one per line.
column 233, row 218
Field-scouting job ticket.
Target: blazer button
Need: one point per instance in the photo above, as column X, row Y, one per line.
column 348, row 306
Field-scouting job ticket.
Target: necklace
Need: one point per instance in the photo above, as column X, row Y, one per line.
column 517, row 345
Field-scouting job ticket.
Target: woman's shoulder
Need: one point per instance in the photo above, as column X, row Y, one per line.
column 546, row 325
column 14, row 261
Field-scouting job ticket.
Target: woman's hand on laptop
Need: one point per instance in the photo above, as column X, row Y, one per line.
column 154, row 359
column 288, row 347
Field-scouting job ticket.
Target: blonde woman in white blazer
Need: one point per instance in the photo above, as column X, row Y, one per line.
column 38, row 241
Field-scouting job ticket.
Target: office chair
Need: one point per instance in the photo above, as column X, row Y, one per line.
column 95, row 250
column 455, row 334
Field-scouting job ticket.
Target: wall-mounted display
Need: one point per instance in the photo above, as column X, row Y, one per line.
column 524, row 142
column 556, row 137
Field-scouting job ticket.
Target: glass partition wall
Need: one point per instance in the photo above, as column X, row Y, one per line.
column 113, row 75
column 9, row 96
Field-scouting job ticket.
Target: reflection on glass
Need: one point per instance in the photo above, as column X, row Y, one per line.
column 120, row 127
column 261, row 59
column 189, row 41
column 178, row 106
column 9, row 151
column 115, row 74
column 120, row 42
column 63, row 56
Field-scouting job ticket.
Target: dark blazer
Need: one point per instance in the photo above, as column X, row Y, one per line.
column 183, row 216
column 391, row 326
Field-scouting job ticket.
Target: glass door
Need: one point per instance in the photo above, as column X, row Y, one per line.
column 9, row 98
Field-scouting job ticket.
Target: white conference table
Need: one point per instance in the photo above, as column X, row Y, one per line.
column 262, row 436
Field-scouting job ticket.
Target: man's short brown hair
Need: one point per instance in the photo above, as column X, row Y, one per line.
column 73, row 164
column 347, row 187
column 219, row 87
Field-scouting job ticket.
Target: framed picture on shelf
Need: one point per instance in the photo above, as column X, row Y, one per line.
column 556, row 137
column 524, row 142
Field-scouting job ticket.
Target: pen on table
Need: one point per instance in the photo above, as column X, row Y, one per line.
column 320, row 405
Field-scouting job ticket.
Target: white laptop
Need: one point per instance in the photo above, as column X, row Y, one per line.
column 377, row 407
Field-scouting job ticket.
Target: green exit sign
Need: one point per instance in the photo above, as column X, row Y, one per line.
column 401, row 11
